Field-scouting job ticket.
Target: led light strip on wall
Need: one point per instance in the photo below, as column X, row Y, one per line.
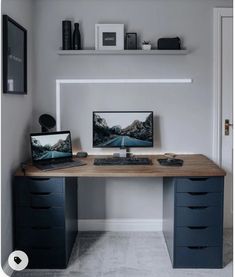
column 108, row 81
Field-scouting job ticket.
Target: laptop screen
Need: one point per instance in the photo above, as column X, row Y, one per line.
column 47, row 146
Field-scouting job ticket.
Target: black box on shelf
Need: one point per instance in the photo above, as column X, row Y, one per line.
column 131, row 41
column 169, row 43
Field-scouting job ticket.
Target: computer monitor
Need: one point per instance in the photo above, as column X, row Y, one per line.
column 122, row 129
column 51, row 146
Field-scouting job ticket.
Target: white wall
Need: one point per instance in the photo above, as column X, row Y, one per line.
column 183, row 113
column 16, row 125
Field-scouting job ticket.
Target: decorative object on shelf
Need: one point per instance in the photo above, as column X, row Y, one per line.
column 109, row 36
column 66, row 35
column 146, row 45
column 131, row 41
column 14, row 57
column 169, row 43
column 76, row 37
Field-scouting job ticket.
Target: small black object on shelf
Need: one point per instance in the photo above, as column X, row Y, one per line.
column 76, row 37
column 66, row 35
column 171, row 162
column 47, row 122
column 169, row 43
column 131, row 41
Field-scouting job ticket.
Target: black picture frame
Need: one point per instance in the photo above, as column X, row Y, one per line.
column 131, row 41
column 14, row 57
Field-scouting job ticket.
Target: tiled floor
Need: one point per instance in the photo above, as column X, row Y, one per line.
column 129, row 254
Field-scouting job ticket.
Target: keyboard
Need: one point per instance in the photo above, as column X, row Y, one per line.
column 122, row 161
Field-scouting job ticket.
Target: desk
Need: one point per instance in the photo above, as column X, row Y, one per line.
column 46, row 210
column 194, row 166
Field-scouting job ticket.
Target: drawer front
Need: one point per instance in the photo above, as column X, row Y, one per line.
column 38, row 185
column 46, row 257
column 198, row 257
column 199, row 199
column 39, row 217
column 50, row 200
column 45, row 185
column 40, row 237
column 211, row 184
column 194, row 236
column 198, row 216
column 40, row 200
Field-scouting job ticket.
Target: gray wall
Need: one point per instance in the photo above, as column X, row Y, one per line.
column 16, row 124
column 183, row 113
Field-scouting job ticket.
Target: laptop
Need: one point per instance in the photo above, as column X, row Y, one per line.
column 53, row 151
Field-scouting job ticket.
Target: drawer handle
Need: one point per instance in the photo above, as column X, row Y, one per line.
column 197, row 227
column 41, row 248
column 197, row 247
column 40, row 208
column 40, row 193
column 197, row 208
column 198, row 179
column 39, row 179
column 197, row 193
column 41, row 228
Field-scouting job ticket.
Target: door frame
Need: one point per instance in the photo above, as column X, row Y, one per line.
column 219, row 13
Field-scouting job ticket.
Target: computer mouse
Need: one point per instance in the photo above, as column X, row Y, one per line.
column 82, row 154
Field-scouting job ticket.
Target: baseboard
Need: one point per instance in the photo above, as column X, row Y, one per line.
column 120, row 225
column 6, row 270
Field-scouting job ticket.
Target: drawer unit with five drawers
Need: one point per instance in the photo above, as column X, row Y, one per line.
column 45, row 219
column 193, row 221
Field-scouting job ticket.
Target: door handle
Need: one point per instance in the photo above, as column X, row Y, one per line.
column 226, row 127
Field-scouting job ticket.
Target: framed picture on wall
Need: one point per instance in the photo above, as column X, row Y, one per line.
column 109, row 36
column 14, row 57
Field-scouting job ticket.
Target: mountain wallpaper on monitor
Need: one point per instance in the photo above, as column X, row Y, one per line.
column 136, row 134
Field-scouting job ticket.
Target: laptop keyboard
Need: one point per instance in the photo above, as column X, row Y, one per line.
column 60, row 165
column 63, row 162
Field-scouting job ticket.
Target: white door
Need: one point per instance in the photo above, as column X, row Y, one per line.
column 222, row 103
column 227, row 113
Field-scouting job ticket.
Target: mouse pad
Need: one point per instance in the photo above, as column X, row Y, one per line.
column 171, row 162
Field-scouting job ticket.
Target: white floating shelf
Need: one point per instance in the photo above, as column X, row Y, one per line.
column 122, row 52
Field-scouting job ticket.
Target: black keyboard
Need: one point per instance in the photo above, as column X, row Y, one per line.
column 122, row 161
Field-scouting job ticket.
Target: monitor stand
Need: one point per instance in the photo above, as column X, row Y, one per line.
column 123, row 153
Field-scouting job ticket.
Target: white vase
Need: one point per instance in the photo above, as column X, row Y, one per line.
column 146, row 46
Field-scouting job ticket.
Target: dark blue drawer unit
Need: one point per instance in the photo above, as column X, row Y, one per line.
column 193, row 221
column 45, row 217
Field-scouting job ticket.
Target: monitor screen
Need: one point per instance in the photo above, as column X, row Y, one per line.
column 123, row 129
column 46, row 146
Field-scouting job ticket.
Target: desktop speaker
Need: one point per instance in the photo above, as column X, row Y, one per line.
column 47, row 122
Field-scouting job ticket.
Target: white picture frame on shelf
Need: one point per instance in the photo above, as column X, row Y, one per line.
column 109, row 36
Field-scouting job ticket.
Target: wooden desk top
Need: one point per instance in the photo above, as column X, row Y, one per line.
column 194, row 166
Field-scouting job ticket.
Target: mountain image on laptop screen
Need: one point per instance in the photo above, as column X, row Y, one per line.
column 51, row 146
column 122, row 129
